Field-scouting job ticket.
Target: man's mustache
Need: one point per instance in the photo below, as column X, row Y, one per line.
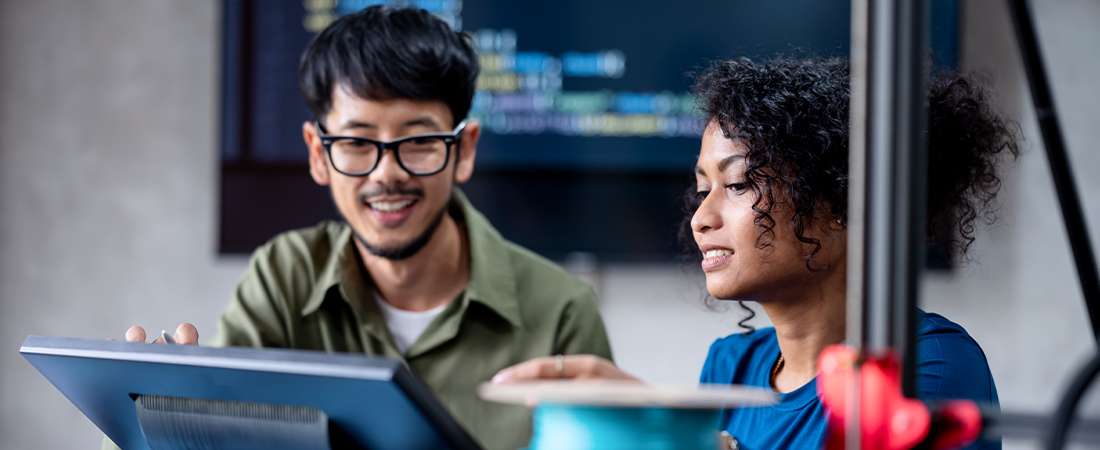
column 379, row 190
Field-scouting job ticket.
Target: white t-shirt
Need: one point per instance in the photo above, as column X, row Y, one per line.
column 406, row 326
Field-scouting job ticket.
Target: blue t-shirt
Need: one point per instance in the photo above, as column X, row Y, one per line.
column 949, row 365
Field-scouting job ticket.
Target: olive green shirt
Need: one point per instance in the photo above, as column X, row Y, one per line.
column 307, row 289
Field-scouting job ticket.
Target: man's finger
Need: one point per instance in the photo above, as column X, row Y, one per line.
column 157, row 341
column 135, row 334
column 186, row 334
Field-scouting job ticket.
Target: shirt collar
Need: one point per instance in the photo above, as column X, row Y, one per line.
column 492, row 279
column 342, row 264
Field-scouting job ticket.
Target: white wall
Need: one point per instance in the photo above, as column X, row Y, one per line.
column 108, row 178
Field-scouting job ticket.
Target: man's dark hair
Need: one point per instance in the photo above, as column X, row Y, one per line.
column 791, row 114
column 383, row 53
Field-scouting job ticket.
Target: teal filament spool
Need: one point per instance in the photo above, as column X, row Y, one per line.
column 572, row 427
column 614, row 415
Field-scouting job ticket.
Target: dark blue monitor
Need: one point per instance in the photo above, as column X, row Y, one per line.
column 367, row 402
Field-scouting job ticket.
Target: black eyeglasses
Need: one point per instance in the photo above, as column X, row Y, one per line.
column 426, row 154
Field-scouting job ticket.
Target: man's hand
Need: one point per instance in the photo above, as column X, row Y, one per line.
column 186, row 334
column 576, row 367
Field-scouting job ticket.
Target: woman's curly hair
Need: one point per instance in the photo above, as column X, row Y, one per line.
column 791, row 115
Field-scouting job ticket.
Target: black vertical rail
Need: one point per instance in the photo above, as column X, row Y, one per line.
column 914, row 17
column 887, row 184
column 1072, row 214
column 857, row 210
column 895, row 168
column 887, row 171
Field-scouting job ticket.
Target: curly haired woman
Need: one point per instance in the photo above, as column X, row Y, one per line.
column 767, row 221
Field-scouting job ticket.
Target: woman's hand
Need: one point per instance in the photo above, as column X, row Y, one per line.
column 576, row 367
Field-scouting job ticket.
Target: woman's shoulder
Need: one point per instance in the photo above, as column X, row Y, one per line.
column 733, row 358
column 929, row 323
column 950, row 363
column 938, row 337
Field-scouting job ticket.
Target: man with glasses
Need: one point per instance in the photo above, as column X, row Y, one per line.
column 414, row 272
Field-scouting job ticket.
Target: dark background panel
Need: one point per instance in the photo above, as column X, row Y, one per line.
column 617, row 216
column 620, row 217
column 257, row 204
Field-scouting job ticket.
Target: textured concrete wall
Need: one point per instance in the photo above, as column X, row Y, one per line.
column 1021, row 298
column 108, row 188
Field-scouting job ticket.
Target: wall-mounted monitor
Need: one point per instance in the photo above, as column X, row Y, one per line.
column 589, row 134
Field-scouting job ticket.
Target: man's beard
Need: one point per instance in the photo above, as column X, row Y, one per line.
column 407, row 249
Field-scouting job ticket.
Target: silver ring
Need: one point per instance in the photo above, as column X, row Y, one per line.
column 559, row 365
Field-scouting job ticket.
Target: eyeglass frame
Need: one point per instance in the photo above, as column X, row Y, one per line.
column 453, row 138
